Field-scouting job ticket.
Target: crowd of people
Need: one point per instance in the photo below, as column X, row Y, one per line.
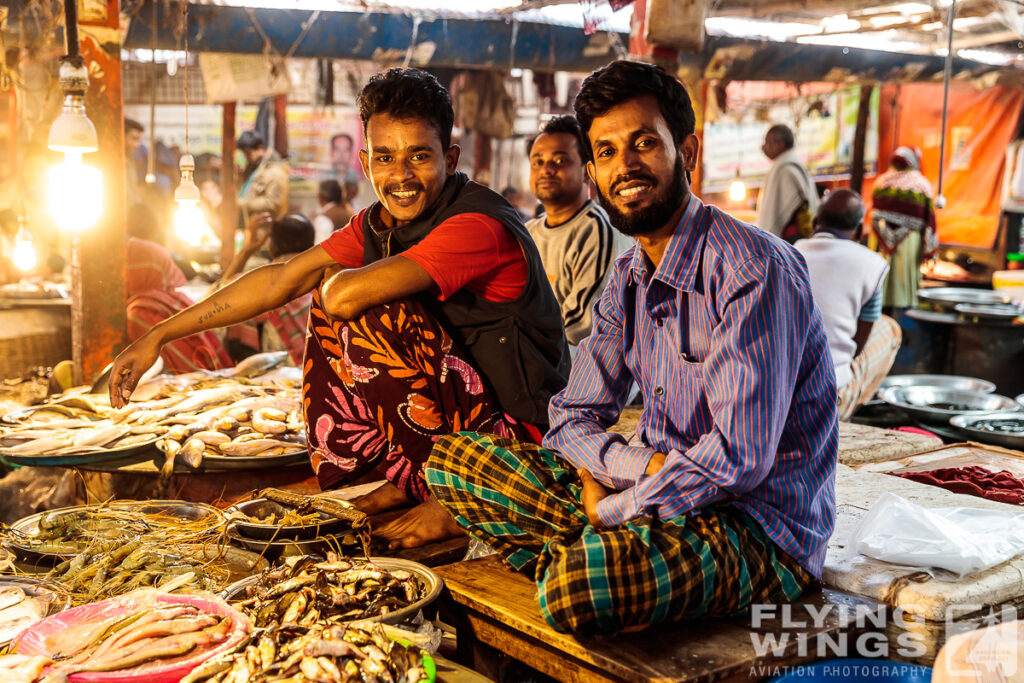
column 476, row 358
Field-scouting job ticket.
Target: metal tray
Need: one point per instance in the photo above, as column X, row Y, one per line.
column 971, row 426
column 83, row 458
column 925, row 403
column 213, row 463
column 946, row 298
column 278, row 548
column 428, row 578
column 27, row 528
column 1006, row 312
column 259, row 507
column 955, row 382
column 55, row 595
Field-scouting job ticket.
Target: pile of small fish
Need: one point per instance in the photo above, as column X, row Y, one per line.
column 18, row 609
column 188, row 416
column 147, row 634
column 335, row 507
column 308, row 590
column 326, row 654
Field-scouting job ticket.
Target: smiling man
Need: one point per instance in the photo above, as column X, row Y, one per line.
column 431, row 314
column 724, row 497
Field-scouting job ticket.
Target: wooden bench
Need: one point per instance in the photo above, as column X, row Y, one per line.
column 490, row 605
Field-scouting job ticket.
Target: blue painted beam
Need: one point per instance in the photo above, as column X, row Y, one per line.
column 381, row 36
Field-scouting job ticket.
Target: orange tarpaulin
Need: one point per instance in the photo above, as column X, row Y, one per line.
column 981, row 124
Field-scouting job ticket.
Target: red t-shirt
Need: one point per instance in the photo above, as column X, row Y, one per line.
column 468, row 250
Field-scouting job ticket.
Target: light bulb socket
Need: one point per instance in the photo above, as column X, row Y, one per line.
column 73, row 75
column 187, row 191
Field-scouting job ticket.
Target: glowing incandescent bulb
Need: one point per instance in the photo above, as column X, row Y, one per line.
column 24, row 255
column 189, row 222
column 75, row 190
column 737, row 190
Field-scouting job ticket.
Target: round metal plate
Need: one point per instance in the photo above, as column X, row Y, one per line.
column 430, row 583
column 83, row 457
column 936, row 405
column 213, row 463
column 261, row 507
column 55, row 596
column 989, row 311
column 955, row 382
column 946, row 298
column 27, row 528
column 1003, row 429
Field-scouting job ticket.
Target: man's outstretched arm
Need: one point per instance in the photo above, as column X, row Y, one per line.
column 258, row 291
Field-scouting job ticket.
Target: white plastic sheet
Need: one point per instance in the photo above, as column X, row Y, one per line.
column 959, row 540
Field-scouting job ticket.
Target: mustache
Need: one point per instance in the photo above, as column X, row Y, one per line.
column 410, row 187
column 630, row 177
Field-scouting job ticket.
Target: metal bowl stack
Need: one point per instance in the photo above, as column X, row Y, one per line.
column 936, row 405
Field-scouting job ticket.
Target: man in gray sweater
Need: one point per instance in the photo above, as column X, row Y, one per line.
column 575, row 239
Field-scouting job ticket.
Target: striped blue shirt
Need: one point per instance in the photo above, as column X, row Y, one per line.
column 739, row 392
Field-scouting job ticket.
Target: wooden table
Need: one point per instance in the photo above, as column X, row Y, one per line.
column 493, row 606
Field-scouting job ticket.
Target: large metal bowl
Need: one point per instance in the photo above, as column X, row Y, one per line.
column 1004, row 312
column 946, row 298
column 430, row 587
column 955, row 382
column 1003, row 429
column 936, row 405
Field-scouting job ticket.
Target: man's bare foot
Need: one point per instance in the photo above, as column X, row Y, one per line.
column 380, row 499
column 426, row 523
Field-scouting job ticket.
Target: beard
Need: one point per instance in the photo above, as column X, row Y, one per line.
column 666, row 202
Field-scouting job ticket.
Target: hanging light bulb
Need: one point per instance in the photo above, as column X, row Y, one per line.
column 189, row 222
column 737, row 189
column 24, row 254
column 75, row 190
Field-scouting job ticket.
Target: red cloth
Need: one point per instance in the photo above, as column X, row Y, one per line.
column 151, row 278
column 974, row 481
column 469, row 250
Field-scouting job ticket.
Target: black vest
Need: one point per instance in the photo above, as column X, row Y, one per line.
column 518, row 346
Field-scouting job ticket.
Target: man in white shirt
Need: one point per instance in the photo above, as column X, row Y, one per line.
column 788, row 200
column 846, row 282
column 576, row 241
column 335, row 212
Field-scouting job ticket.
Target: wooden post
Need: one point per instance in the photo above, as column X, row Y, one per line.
column 98, row 256
column 281, row 125
column 229, row 195
column 859, row 135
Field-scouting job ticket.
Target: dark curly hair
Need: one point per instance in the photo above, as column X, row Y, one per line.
column 562, row 124
column 624, row 80
column 408, row 94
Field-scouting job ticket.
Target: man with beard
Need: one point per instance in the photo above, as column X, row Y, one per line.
column 575, row 240
column 430, row 314
column 725, row 496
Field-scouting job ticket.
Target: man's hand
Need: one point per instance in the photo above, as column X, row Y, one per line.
column 257, row 231
column 593, row 493
column 655, row 464
column 129, row 368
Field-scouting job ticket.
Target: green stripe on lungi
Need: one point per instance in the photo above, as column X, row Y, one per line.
column 716, row 562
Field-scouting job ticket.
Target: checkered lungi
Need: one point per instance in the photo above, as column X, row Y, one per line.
column 870, row 366
column 524, row 501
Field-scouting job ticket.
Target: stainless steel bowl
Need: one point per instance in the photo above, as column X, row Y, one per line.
column 946, row 298
column 988, row 311
column 936, row 405
column 430, row 587
column 1003, row 429
column 955, row 382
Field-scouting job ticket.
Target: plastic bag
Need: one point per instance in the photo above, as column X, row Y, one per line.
column 959, row 540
